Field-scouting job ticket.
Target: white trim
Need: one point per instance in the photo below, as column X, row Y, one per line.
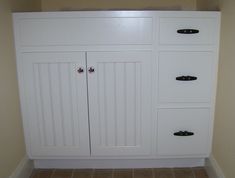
column 24, row 169
column 118, row 164
column 213, row 169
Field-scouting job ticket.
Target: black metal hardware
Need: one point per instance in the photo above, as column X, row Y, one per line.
column 80, row 70
column 187, row 31
column 91, row 70
column 183, row 133
column 186, row 78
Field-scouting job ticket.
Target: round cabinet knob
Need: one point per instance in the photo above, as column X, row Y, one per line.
column 91, row 69
column 80, row 70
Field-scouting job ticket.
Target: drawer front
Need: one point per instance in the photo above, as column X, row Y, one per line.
column 172, row 121
column 185, row 76
column 85, row 31
column 205, row 31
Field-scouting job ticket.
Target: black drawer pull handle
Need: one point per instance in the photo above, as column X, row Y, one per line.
column 187, row 31
column 186, row 78
column 183, row 133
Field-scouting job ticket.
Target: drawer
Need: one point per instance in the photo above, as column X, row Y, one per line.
column 172, row 121
column 206, row 28
column 173, row 66
column 85, row 31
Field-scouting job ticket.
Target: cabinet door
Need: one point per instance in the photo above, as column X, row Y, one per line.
column 56, row 102
column 119, row 85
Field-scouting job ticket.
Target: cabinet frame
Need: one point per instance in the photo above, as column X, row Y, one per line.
column 154, row 46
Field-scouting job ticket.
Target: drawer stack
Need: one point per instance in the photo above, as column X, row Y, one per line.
column 186, row 75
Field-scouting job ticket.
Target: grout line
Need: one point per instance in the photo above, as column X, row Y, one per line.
column 113, row 171
column 92, row 173
column 193, row 173
column 173, row 172
column 73, row 170
column 53, row 172
column 32, row 174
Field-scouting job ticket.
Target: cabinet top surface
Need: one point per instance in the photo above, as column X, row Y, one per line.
column 116, row 13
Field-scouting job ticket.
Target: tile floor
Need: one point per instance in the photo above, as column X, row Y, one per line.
column 198, row 172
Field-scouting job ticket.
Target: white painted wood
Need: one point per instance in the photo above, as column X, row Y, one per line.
column 185, row 63
column 85, row 31
column 213, row 169
column 175, row 120
column 124, row 40
column 120, row 103
column 119, row 164
column 206, row 26
column 57, row 103
column 24, row 169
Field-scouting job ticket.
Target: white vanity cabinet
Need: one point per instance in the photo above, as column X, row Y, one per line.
column 117, row 84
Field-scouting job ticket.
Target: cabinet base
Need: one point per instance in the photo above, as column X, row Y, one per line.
column 101, row 163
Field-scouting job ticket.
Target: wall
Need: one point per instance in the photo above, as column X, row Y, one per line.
column 12, row 148
column 25, row 5
column 224, row 131
column 11, row 138
column 52, row 5
column 207, row 5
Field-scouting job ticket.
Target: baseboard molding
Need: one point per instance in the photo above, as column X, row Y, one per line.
column 24, row 169
column 102, row 164
column 213, row 169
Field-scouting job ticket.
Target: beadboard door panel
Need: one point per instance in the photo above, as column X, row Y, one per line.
column 56, row 98
column 120, row 103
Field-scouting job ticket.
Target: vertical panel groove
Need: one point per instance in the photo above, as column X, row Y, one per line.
column 77, row 107
column 125, row 103
column 71, row 101
column 51, row 104
column 105, row 107
column 36, row 88
column 43, row 114
column 134, row 104
column 61, row 107
column 98, row 101
column 140, row 105
column 115, row 102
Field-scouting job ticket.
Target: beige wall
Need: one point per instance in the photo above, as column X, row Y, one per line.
column 12, row 144
column 207, row 4
column 25, row 5
column 54, row 5
column 12, row 148
column 224, row 131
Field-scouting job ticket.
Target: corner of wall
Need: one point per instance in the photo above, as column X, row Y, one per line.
column 24, row 169
column 213, row 169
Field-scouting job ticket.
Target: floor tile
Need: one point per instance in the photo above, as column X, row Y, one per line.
column 62, row 173
column 123, row 173
column 183, row 173
column 163, row 173
column 200, row 172
column 197, row 172
column 42, row 173
column 83, row 173
column 103, row 173
column 143, row 173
